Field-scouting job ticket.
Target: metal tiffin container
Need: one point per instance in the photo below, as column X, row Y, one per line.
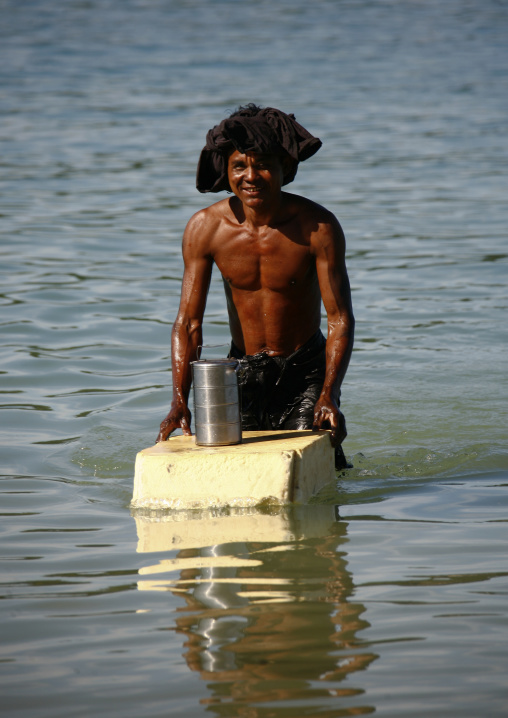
column 216, row 402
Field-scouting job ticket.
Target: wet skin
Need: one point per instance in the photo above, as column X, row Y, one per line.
column 280, row 255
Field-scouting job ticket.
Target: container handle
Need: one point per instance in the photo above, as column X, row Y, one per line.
column 208, row 346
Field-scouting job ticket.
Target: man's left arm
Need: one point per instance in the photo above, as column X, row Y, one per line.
column 329, row 247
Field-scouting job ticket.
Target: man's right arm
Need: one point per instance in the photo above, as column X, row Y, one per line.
column 186, row 335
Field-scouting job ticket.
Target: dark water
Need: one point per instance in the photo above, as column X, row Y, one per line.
column 396, row 601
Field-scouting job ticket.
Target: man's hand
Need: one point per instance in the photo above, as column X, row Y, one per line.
column 327, row 415
column 178, row 418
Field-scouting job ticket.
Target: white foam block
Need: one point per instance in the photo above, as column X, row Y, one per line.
column 279, row 466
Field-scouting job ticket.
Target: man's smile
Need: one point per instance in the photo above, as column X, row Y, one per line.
column 252, row 191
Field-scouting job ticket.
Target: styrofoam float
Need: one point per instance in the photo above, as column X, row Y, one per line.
column 278, row 467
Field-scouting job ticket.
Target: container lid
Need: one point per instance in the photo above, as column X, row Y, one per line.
column 216, row 362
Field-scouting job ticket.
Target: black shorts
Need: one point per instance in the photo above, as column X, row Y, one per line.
column 280, row 392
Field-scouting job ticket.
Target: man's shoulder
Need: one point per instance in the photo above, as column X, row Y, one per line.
column 208, row 218
column 309, row 211
column 319, row 225
column 215, row 210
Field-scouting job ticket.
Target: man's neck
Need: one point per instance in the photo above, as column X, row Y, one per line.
column 263, row 215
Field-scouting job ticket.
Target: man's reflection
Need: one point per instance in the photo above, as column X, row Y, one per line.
column 274, row 620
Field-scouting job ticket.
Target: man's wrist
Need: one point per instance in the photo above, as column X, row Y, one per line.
column 179, row 405
column 330, row 397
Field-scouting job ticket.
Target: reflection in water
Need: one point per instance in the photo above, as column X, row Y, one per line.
column 269, row 615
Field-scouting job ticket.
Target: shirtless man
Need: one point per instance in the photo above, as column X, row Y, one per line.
column 280, row 255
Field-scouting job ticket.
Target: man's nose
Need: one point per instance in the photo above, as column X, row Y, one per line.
column 250, row 173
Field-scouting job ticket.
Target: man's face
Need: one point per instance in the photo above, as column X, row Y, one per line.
column 256, row 179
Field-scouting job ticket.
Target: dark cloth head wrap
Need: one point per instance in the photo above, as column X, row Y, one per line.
column 268, row 131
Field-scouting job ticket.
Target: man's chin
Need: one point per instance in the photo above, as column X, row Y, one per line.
column 258, row 194
column 254, row 199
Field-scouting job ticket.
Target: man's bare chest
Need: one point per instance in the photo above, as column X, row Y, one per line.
column 272, row 261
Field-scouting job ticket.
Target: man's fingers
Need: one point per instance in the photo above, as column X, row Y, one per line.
column 166, row 428
column 168, row 425
column 318, row 419
column 185, row 427
column 335, row 423
column 325, row 415
column 333, row 433
column 325, row 420
column 164, row 432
